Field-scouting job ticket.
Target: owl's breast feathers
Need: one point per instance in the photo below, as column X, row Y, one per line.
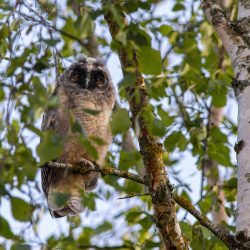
column 95, row 124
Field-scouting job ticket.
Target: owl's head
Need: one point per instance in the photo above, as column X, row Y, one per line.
column 88, row 74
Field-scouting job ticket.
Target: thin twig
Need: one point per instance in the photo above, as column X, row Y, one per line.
column 132, row 195
column 82, row 246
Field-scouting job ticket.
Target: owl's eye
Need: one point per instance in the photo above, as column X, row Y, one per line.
column 78, row 75
column 98, row 79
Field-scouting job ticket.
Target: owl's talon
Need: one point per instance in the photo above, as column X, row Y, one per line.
column 86, row 166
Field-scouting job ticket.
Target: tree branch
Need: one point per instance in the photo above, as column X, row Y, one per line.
column 225, row 236
column 82, row 246
column 132, row 195
column 103, row 170
column 150, row 148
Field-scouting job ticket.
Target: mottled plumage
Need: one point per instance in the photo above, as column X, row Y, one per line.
column 85, row 85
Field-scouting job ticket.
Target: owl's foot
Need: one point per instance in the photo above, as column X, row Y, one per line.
column 86, row 165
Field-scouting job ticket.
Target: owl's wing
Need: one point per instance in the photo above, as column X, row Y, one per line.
column 49, row 122
column 49, row 119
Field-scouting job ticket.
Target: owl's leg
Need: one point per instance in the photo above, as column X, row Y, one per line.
column 90, row 178
column 86, row 165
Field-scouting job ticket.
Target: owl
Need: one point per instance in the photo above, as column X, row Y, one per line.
column 85, row 85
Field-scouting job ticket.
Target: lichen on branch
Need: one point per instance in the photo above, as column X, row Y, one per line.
column 230, row 240
column 150, row 148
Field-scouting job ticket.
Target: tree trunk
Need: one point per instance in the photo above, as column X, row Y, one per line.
column 150, row 148
column 243, row 95
column 235, row 38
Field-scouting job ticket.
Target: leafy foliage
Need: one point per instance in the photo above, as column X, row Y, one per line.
column 186, row 73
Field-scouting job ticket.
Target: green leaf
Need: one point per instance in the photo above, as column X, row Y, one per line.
column 218, row 89
column 50, row 147
column 20, row 246
column 60, row 199
column 2, row 94
column 40, row 66
column 51, row 42
column 86, row 235
column 92, row 111
column 5, row 230
column 53, row 102
column 219, row 100
column 87, row 145
column 120, row 122
column 21, row 210
column 175, row 140
column 133, row 217
column 132, row 6
column 132, row 187
column 149, row 61
column 15, row 63
column 178, row 7
column 165, row 117
column 69, row 28
column 232, row 182
column 112, row 181
column 146, row 223
column 89, row 201
column 128, row 80
column 186, row 229
column 165, row 29
column 157, row 127
column 217, row 135
column 97, row 140
column 197, row 134
column 128, row 159
column 152, row 245
column 104, row 227
column 84, row 24
column 77, row 127
column 34, row 129
column 139, row 36
column 218, row 150
column 220, row 153
column 205, row 204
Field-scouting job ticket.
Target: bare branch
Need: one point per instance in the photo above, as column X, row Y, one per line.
column 132, row 195
column 103, row 170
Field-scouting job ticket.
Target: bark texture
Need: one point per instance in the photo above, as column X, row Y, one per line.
column 150, row 148
column 235, row 38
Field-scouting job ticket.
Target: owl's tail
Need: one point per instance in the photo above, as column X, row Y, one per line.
column 64, row 193
column 73, row 206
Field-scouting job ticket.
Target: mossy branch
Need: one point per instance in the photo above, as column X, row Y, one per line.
column 151, row 150
column 225, row 236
